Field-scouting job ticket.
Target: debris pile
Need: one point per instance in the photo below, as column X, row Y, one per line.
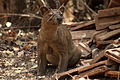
column 100, row 38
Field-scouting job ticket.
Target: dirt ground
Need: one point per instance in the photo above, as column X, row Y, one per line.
column 17, row 55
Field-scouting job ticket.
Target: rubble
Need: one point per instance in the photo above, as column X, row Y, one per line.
column 98, row 66
column 106, row 37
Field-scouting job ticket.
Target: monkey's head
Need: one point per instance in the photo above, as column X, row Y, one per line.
column 52, row 16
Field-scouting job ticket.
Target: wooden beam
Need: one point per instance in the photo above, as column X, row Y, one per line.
column 107, row 17
column 83, row 34
column 88, row 24
column 109, row 12
column 113, row 74
column 93, row 72
column 80, row 69
column 109, row 34
column 101, row 43
column 115, row 26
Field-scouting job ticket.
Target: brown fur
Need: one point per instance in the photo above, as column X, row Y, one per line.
column 55, row 43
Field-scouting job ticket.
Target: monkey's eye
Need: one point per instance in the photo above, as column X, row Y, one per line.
column 61, row 14
column 50, row 14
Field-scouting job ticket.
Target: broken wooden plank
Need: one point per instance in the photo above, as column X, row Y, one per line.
column 88, row 24
column 98, row 57
column 86, row 62
column 112, row 43
column 103, row 32
column 109, row 20
column 113, row 55
column 115, row 52
column 101, row 43
column 109, row 34
column 83, row 34
column 107, row 17
column 112, row 58
column 72, row 24
column 85, row 47
column 93, row 72
column 109, row 12
column 97, row 34
column 106, row 54
column 115, row 26
column 80, row 69
column 113, row 74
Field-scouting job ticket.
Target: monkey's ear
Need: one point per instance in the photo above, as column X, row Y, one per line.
column 62, row 8
column 43, row 10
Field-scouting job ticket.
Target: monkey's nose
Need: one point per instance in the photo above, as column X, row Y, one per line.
column 59, row 19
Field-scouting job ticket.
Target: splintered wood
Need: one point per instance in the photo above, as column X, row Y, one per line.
column 99, row 66
column 113, row 54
